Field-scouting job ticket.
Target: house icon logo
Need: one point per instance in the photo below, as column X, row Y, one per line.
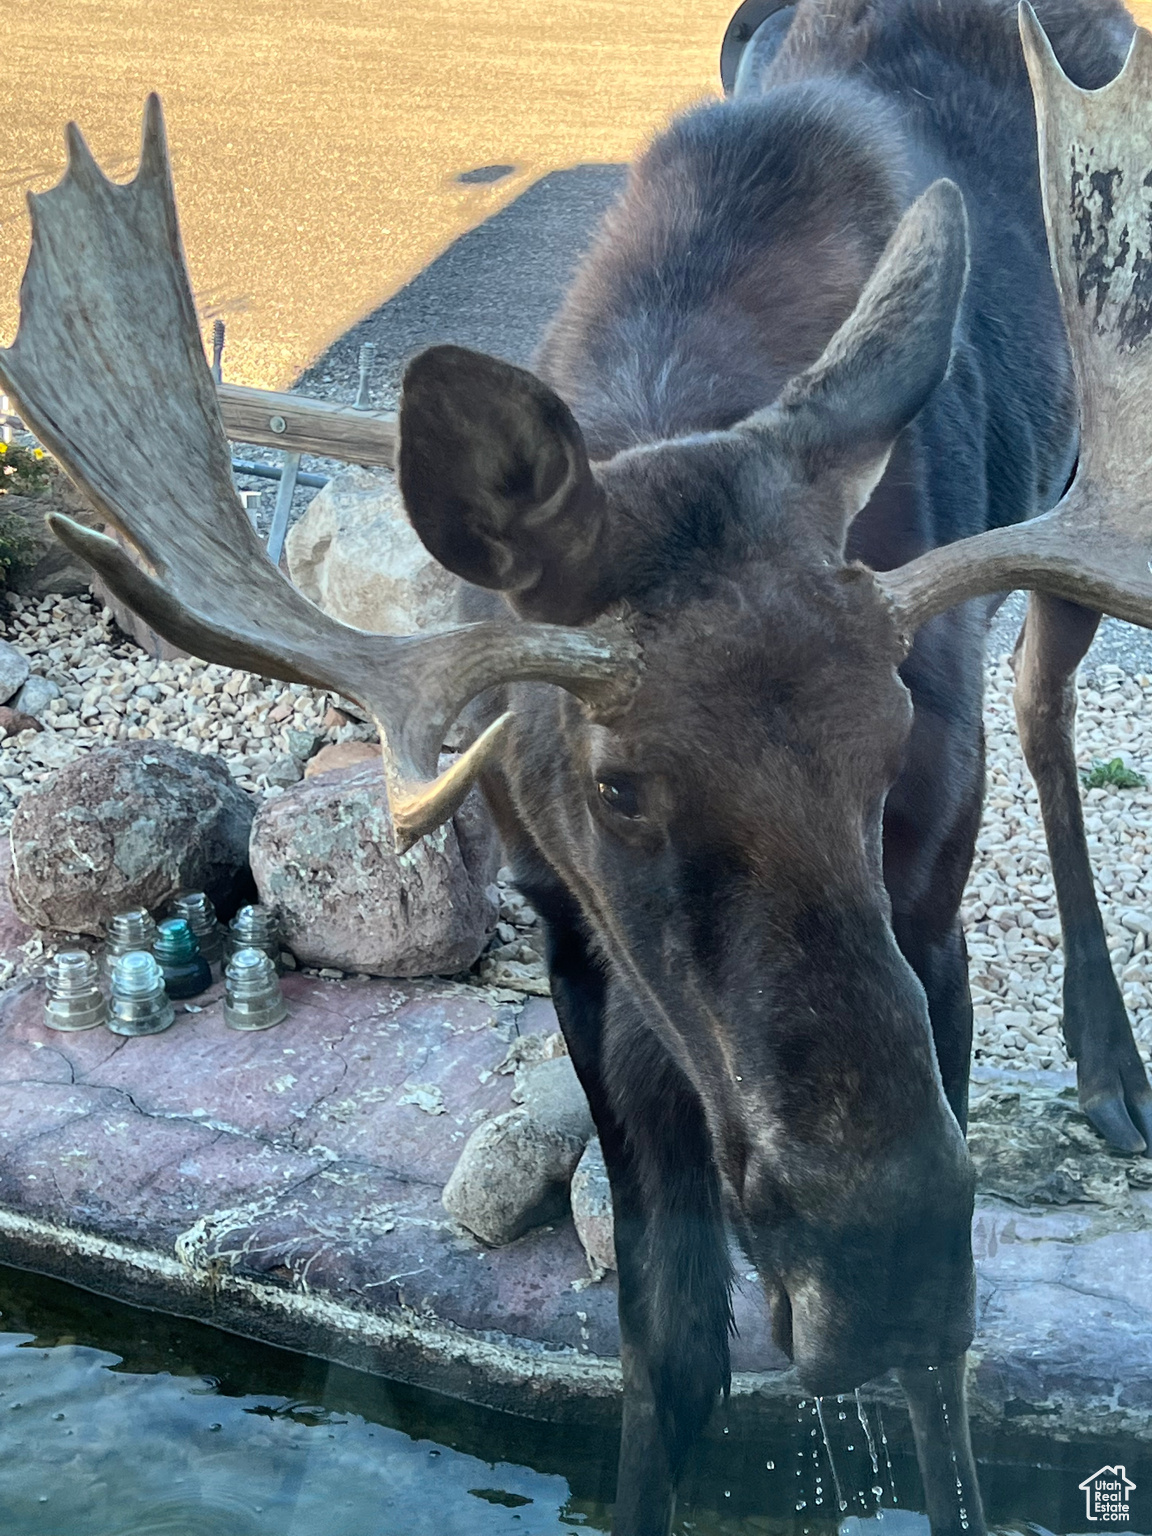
column 1106, row 1494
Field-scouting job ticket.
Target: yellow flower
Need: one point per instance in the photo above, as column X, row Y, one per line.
column 37, row 453
column 3, row 447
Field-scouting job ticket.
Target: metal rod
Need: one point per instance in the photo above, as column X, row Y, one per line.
column 279, row 529
column 367, row 358
column 218, row 351
column 274, row 472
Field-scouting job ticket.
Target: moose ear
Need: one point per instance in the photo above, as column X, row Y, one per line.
column 497, row 484
column 841, row 417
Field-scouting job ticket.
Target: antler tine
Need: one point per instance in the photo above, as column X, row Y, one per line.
column 1095, row 547
column 108, row 369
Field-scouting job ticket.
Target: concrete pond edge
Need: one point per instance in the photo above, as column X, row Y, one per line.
column 490, row 1370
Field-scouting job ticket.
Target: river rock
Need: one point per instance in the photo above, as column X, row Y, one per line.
column 128, row 826
column 35, row 696
column 513, row 1174
column 356, row 555
column 515, row 1169
column 13, row 721
column 592, row 1210
column 551, row 1093
column 322, row 855
column 14, row 669
column 341, row 754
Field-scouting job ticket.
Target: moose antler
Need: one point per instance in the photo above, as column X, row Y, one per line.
column 109, row 371
column 1095, row 546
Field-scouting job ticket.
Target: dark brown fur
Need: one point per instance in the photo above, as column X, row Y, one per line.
column 751, row 879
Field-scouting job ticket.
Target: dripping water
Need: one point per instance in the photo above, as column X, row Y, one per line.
column 940, row 1393
column 887, row 1457
column 801, row 1501
column 841, row 1502
column 877, row 1486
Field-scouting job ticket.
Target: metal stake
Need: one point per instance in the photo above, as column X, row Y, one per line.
column 218, row 351
column 279, row 529
column 367, row 358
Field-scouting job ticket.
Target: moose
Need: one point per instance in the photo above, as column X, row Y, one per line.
column 812, row 405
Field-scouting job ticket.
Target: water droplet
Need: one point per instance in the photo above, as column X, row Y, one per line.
column 214, row 1427
column 877, row 1490
column 801, row 1504
column 771, row 1465
column 727, row 1493
column 57, row 1417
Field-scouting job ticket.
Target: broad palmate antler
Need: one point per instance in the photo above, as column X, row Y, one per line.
column 1095, row 546
column 109, row 371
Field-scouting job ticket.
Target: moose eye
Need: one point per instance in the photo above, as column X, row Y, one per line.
column 619, row 795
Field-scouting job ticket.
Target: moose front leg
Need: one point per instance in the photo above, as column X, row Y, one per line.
column 674, row 1273
column 1113, row 1085
column 938, row 1409
column 671, row 1248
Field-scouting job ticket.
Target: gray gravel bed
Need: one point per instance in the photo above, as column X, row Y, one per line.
column 110, row 691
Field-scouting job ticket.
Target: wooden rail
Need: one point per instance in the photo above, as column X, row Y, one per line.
column 301, row 425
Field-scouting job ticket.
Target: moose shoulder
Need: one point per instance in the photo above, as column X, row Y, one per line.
column 798, row 408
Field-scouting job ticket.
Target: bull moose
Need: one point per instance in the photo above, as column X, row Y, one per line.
column 808, row 409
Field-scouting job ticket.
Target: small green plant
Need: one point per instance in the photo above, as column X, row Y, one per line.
column 23, row 471
column 1111, row 774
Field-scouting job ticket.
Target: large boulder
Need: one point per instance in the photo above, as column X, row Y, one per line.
column 355, row 554
column 323, row 856
column 129, row 826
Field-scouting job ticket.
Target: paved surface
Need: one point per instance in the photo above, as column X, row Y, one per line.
column 317, row 149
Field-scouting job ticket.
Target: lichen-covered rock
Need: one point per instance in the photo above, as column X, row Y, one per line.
column 322, row 855
column 356, row 555
column 129, row 826
column 513, row 1174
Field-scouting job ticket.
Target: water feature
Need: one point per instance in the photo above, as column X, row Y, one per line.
column 118, row 1422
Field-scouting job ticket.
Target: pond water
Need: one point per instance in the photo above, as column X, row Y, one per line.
column 119, row 1422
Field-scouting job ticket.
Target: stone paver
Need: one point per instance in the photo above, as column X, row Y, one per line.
column 287, row 1185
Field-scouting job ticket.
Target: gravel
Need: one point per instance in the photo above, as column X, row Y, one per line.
column 110, row 691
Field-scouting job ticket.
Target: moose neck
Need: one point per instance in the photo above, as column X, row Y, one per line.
column 668, row 330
